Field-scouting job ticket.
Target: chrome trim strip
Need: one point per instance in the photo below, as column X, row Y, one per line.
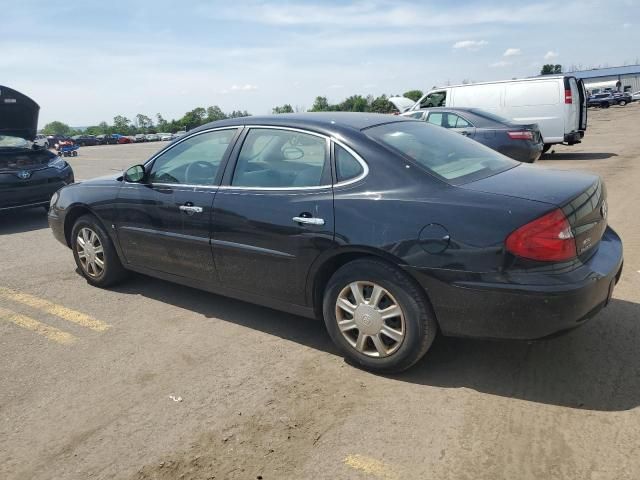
column 252, row 248
column 177, row 236
column 26, row 205
column 187, row 137
column 358, row 158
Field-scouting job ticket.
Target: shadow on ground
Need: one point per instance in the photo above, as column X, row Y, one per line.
column 22, row 220
column 578, row 156
column 595, row 367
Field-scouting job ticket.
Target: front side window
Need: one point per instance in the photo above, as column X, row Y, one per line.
column 447, row 155
column 347, row 167
column 436, row 118
column 194, row 161
column 434, row 99
column 274, row 158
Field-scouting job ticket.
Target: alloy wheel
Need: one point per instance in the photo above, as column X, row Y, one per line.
column 90, row 252
column 370, row 319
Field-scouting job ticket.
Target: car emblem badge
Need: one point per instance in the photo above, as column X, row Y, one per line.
column 23, row 174
column 604, row 209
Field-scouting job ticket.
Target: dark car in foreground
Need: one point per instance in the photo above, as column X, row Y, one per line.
column 388, row 228
column 29, row 174
column 520, row 142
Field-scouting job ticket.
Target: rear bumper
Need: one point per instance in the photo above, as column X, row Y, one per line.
column 573, row 138
column 550, row 303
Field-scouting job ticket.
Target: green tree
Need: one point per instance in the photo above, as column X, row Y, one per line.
column 162, row 124
column 238, row 114
column 143, row 122
column 215, row 113
column 320, row 105
column 286, row 108
column 414, row 95
column 194, row 118
column 382, row 104
column 550, row 69
column 57, row 128
column 121, row 124
column 355, row 103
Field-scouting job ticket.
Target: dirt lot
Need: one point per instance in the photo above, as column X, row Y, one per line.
column 87, row 375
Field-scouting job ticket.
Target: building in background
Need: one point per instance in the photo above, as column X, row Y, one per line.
column 622, row 79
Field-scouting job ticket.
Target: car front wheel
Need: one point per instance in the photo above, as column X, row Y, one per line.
column 378, row 317
column 95, row 254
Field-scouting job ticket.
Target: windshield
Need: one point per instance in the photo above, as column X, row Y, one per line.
column 7, row 141
column 447, row 155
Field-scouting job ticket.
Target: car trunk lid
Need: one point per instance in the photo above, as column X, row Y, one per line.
column 581, row 196
column 18, row 114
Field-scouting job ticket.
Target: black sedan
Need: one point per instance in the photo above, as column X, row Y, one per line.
column 520, row 142
column 389, row 229
column 29, row 175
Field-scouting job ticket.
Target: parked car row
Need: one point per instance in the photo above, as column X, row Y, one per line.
column 53, row 141
column 605, row 100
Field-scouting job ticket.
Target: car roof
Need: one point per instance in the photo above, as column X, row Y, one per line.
column 318, row 121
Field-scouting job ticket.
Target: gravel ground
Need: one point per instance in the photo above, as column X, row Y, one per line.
column 156, row 381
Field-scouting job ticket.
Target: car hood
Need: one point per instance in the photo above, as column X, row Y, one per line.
column 18, row 114
column 403, row 104
column 536, row 183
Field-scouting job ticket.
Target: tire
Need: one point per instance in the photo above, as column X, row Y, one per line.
column 414, row 325
column 112, row 270
column 604, row 104
column 546, row 148
column 622, row 103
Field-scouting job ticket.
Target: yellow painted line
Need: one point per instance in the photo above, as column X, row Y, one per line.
column 54, row 309
column 370, row 466
column 43, row 329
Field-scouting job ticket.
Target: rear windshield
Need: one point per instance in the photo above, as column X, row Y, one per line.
column 488, row 115
column 447, row 155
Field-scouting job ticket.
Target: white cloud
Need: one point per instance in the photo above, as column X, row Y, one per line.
column 245, row 88
column 470, row 44
column 550, row 55
column 626, row 25
column 511, row 52
column 500, row 64
column 335, row 86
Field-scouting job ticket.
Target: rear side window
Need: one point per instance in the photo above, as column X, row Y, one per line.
column 273, row 158
column 436, row 118
column 347, row 167
column 456, row 121
column 445, row 154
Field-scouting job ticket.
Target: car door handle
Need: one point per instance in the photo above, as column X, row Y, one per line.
column 190, row 209
column 309, row 220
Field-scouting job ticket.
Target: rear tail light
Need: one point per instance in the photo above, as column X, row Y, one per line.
column 521, row 135
column 548, row 239
column 568, row 98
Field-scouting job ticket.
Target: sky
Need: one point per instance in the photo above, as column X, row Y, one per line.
column 85, row 62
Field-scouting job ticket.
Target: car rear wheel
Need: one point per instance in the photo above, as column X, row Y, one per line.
column 95, row 254
column 604, row 104
column 378, row 317
column 622, row 103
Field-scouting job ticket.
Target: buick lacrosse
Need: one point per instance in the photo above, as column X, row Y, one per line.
column 388, row 228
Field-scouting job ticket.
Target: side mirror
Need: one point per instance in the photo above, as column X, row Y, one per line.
column 135, row 174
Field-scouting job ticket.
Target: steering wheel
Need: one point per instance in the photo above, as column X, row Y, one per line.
column 206, row 170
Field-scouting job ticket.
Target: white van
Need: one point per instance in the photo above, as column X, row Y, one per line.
column 557, row 103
